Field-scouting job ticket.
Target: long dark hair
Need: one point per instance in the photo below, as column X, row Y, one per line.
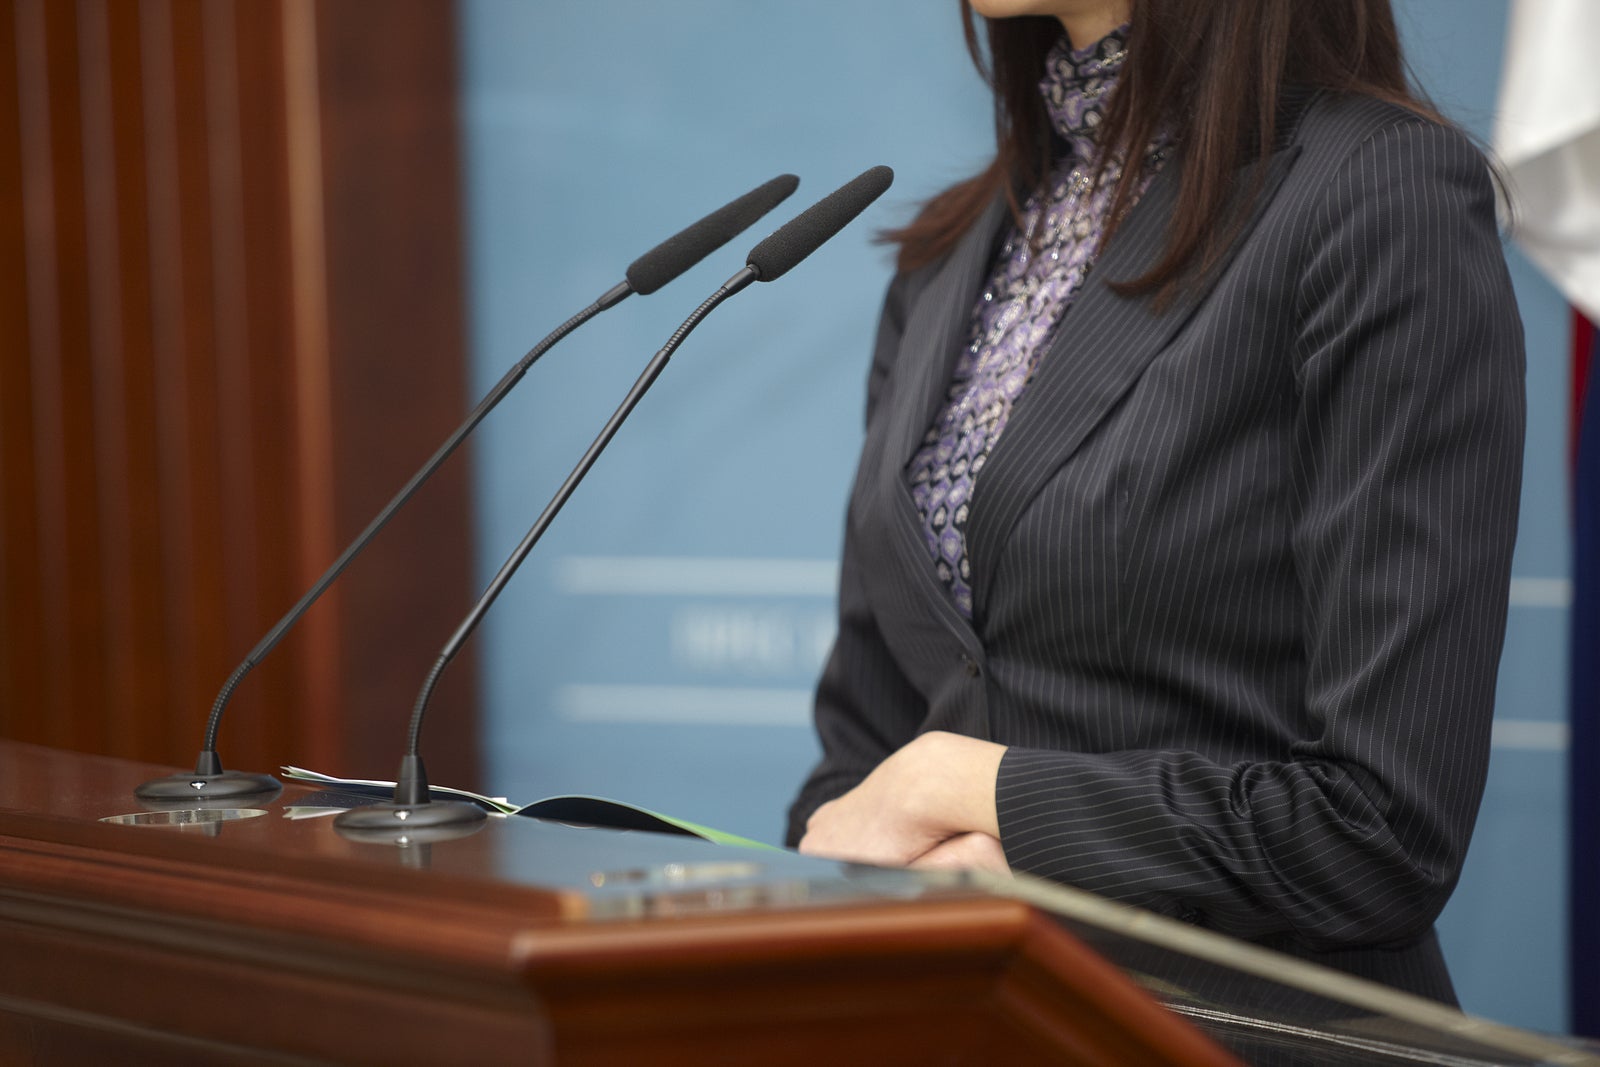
column 1211, row 71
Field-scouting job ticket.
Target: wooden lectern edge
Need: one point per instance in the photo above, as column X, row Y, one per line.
column 1038, row 970
column 578, row 968
column 531, row 967
column 1052, row 959
column 244, row 913
column 647, row 949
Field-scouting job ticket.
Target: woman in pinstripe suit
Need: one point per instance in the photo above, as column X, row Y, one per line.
column 1176, row 561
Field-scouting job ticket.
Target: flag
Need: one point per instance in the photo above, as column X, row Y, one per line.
column 1547, row 136
column 1585, row 337
column 1584, row 799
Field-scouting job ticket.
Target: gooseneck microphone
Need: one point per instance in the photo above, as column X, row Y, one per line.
column 644, row 275
column 780, row 251
column 768, row 260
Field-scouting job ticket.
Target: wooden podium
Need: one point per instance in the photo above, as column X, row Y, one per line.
column 273, row 939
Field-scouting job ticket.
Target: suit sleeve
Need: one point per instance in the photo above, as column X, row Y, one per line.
column 865, row 708
column 1408, row 445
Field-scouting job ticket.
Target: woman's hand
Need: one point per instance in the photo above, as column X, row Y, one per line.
column 965, row 852
column 937, row 788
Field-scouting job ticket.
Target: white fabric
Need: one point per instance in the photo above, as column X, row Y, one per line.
column 1548, row 138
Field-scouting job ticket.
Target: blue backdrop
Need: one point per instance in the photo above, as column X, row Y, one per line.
column 661, row 644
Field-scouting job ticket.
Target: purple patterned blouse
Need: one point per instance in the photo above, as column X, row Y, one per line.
column 1038, row 273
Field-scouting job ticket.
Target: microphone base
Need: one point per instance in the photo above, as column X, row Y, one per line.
column 404, row 817
column 193, row 786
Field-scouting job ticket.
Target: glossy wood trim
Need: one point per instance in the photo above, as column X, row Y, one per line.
column 278, row 938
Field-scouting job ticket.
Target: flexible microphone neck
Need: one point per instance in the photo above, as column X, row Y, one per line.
column 611, row 298
column 209, row 778
column 412, row 805
column 646, row 379
column 644, row 275
column 769, row 259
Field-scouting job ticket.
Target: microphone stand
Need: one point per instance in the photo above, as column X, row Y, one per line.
column 412, row 805
column 645, row 275
column 770, row 259
column 209, row 779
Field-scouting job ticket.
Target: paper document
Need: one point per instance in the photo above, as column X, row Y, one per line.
column 582, row 810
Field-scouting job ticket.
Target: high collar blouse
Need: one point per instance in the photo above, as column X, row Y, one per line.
column 1039, row 271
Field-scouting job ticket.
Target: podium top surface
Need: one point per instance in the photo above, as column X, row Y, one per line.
column 573, row 913
column 546, row 872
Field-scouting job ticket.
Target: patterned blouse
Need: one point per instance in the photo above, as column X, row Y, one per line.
column 1039, row 271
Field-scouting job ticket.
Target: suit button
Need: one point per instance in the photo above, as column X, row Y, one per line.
column 971, row 666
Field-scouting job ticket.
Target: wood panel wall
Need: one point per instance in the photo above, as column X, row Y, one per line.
column 232, row 315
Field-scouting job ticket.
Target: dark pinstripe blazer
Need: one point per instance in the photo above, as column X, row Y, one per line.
column 1240, row 563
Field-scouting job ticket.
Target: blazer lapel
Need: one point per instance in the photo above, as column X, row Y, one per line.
column 1097, row 352
column 936, row 328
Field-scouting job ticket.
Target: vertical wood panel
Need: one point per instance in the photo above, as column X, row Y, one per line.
column 319, row 711
column 239, row 512
column 218, row 111
column 63, row 444
column 235, row 325
column 22, row 688
column 68, row 473
column 120, row 363
column 40, row 609
column 396, row 332
column 172, row 488
column 146, row 724
column 209, row 428
column 270, row 710
column 107, row 361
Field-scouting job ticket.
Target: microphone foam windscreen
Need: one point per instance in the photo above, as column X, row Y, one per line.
column 807, row 231
column 689, row 246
